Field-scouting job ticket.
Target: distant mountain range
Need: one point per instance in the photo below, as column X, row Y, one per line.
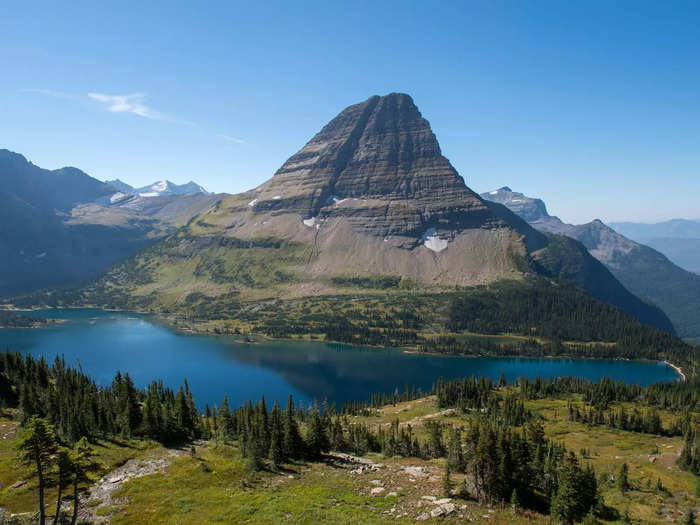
column 675, row 228
column 61, row 227
column 158, row 189
column 643, row 270
column 369, row 202
column 677, row 239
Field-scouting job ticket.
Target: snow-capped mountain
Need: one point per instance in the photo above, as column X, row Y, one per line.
column 161, row 187
column 165, row 187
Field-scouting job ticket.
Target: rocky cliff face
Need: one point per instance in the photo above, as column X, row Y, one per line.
column 379, row 166
column 525, row 207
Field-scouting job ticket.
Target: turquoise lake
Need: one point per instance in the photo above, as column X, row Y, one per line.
column 104, row 342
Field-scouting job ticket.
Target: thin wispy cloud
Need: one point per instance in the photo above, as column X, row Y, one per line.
column 233, row 140
column 133, row 103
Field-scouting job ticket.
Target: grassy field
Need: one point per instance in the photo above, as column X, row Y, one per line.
column 23, row 498
column 213, row 485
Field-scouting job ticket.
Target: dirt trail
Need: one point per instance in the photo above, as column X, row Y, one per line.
column 102, row 493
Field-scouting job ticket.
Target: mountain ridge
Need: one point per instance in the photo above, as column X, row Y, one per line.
column 643, row 270
column 62, row 227
column 369, row 195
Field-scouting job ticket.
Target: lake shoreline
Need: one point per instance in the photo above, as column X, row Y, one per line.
column 170, row 321
column 261, row 338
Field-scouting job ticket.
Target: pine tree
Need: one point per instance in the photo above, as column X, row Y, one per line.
column 253, row 463
column 84, row 464
column 435, row 447
column 515, row 500
column 447, row 483
column 455, row 458
column 623, row 482
column 659, row 485
column 37, row 449
column 569, row 503
column 292, row 439
column 225, row 423
column 64, row 477
column 276, row 436
column 316, row 437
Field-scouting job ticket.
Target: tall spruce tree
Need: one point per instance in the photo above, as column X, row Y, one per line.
column 316, row 437
column 293, row 445
column 623, row 482
column 276, row 436
column 455, row 457
column 65, row 471
column 565, row 506
column 37, row 449
column 84, row 466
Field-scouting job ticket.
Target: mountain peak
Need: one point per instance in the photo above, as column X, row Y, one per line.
column 379, row 150
column 166, row 187
column 528, row 208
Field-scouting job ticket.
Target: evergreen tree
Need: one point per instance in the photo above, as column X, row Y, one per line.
column 84, row 466
column 455, row 458
column 623, row 482
column 502, row 380
column 64, row 478
column 293, row 446
column 316, row 437
column 276, row 436
column 447, row 484
column 515, row 500
column 576, row 493
column 435, row 448
column 37, row 448
column 253, row 463
column 225, row 422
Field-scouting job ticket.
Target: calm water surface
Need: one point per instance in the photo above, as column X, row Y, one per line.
column 104, row 342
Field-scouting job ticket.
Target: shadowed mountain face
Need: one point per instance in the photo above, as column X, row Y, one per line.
column 62, row 227
column 643, row 270
column 46, row 190
column 370, row 195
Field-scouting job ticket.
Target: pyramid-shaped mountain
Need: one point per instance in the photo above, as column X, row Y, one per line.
column 369, row 199
column 373, row 193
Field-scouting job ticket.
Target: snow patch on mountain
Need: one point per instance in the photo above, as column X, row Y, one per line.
column 433, row 242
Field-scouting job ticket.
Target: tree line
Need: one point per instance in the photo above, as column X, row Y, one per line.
column 75, row 406
column 502, row 447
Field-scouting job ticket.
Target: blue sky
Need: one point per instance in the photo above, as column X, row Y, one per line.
column 593, row 106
